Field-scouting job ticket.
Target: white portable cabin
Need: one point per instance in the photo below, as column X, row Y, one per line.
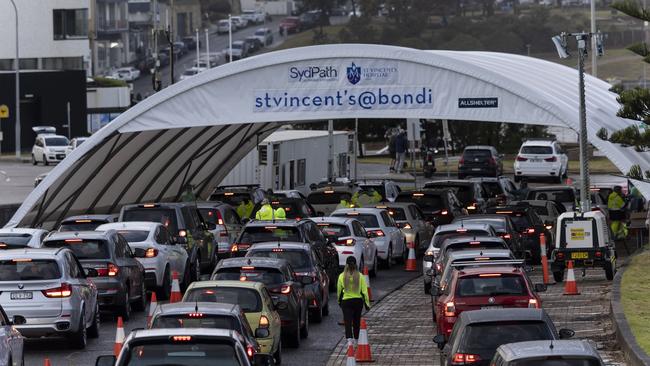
column 294, row 159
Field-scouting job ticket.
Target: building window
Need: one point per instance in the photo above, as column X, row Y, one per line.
column 263, row 154
column 28, row 63
column 302, row 172
column 70, row 23
column 62, row 63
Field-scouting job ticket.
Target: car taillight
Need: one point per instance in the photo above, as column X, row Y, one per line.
column 110, row 270
column 444, row 212
column 598, row 254
column 472, row 206
column 264, row 321
column 551, row 159
column 492, row 161
column 378, row 232
column 195, row 315
column 182, row 233
column 596, row 208
column 549, row 227
column 438, row 267
column 285, row 289
column 151, row 252
column 239, row 246
column 506, row 236
column 521, row 158
column 450, row 309
column 346, row 242
column 250, row 351
column 65, row 290
column 530, row 230
column 533, row 303
column 464, row 359
column 219, row 218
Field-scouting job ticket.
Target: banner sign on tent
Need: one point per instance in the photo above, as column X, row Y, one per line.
column 478, row 102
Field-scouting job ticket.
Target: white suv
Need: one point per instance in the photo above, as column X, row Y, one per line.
column 541, row 158
column 49, row 149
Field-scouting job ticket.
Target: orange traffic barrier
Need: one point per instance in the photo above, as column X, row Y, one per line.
column 367, row 278
column 350, row 361
column 152, row 307
column 363, row 347
column 47, row 362
column 176, row 289
column 119, row 337
column 411, row 263
column 542, row 244
column 570, row 286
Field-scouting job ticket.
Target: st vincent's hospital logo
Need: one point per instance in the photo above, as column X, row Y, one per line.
column 354, row 74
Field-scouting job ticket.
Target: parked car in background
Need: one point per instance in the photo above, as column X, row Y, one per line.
column 239, row 21
column 223, row 26
column 540, row 353
column 86, row 222
column 291, row 25
column 49, row 148
column 439, row 206
column 239, row 50
column 190, row 42
column 253, row 16
column 120, row 277
column 129, row 73
column 74, row 143
column 47, row 293
column 480, row 161
column 530, row 226
column 541, row 158
column 265, row 35
column 227, row 225
column 181, row 47
column 192, row 71
column 19, row 237
column 253, row 44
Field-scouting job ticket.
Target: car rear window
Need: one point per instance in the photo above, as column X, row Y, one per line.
column 167, row 352
column 489, row 336
column 498, row 224
column 492, row 189
column 134, row 236
column 464, row 192
column 559, row 195
column 82, row 248
column 521, row 221
column 541, row 210
column 557, row 361
column 322, row 198
column 367, row 220
column 334, row 230
column 491, row 284
column 537, row 150
column 231, row 198
column 12, row 241
column 268, row 276
column 210, row 215
column 397, row 213
column 441, row 237
column 80, row 225
column 165, row 216
column 258, row 234
column 477, row 154
column 248, row 299
column 299, row 259
column 426, row 202
column 29, row 270
column 195, row 320
column 482, row 245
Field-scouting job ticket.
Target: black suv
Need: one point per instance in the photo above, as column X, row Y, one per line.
column 439, row 206
column 304, row 260
column 185, row 223
column 294, row 208
column 530, row 226
column 480, row 161
column 470, row 194
column 236, row 194
column 299, row 231
column 285, row 287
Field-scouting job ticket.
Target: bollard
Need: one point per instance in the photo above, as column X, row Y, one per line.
column 542, row 244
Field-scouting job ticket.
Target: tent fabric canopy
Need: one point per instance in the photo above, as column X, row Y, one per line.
column 195, row 131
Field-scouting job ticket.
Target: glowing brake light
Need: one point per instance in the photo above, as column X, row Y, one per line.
column 15, row 260
column 248, row 268
column 407, row 226
column 277, row 250
column 264, row 321
column 228, row 194
column 504, row 212
column 506, row 236
column 472, row 206
column 418, row 194
column 195, row 315
column 450, row 309
column 490, row 275
column 182, row 233
column 464, row 359
column 533, row 303
column 285, row 289
column 181, row 338
column 530, row 230
column 73, row 240
column 328, row 192
column 461, row 230
column 65, row 290
column 346, row 242
column 474, row 242
column 83, row 221
column 151, row 252
column 148, row 205
column 378, row 232
column 444, row 212
column 250, row 351
column 549, row 227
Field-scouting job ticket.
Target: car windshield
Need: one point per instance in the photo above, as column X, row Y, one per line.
column 464, row 192
column 248, row 299
column 323, row 198
column 165, row 216
column 477, row 246
column 521, row 221
column 491, row 284
column 268, row 276
column 134, row 236
column 200, row 353
column 82, row 248
column 541, row 210
column 537, row 150
column 442, row 236
column 558, row 195
column 487, row 337
column 80, row 225
column 190, row 72
column 292, row 209
column 260, row 33
column 367, row 220
column 237, row 45
column 12, row 241
column 337, row 230
column 29, row 270
column 56, row 141
column 426, row 202
column 211, row 215
column 492, row 189
column 231, row 198
column 397, row 213
column 195, row 320
column 258, row 234
column 557, row 361
column 477, row 154
column 498, row 224
column 299, row 259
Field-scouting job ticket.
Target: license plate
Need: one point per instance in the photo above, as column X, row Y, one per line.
column 21, row 295
column 579, row 255
column 60, row 156
column 492, row 307
column 535, row 160
column 476, row 169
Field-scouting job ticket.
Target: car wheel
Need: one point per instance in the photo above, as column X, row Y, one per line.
column 389, row 257
column 93, row 331
column 317, row 314
column 373, row 270
column 304, row 330
column 197, row 269
column 558, row 276
column 45, row 162
column 166, row 289
column 326, row 308
column 79, row 339
column 141, row 304
column 405, row 253
column 293, row 338
column 277, row 355
column 427, row 288
column 609, row 270
column 126, row 308
column 34, row 162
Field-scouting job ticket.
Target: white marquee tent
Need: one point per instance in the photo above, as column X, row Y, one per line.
column 197, row 130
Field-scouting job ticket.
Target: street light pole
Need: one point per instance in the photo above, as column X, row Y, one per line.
column 17, row 78
column 230, row 37
column 585, row 203
column 594, row 55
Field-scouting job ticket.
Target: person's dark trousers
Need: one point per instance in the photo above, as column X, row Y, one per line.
column 352, row 309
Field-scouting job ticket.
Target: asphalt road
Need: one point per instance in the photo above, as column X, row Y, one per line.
column 314, row 350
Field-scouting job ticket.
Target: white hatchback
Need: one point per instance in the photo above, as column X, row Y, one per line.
column 162, row 257
column 351, row 240
column 541, row 158
column 49, row 149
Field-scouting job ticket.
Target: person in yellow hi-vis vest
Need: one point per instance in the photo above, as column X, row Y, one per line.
column 352, row 292
column 280, row 214
column 615, row 204
column 265, row 212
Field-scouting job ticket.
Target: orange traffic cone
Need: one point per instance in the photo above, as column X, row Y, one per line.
column 411, row 264
column 367, row 278
column 176, row 289
column 47, row 362
column 350, row 361
column 570, row 286
column 363, row 347
column 152, row 307
column 119, row 337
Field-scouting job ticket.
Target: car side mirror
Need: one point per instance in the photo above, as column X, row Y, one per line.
column 439, row 339
column 262, row 359
column 91, row 272
column 139, row 253
column 306, row 280
column 428, row 258
column 566, row 333
column 18, row 320
column 262, row 333
column 105, row 361
column 210, row 226
column 540, row 287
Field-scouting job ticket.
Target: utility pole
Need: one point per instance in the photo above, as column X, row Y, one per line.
column 198, row 55
column 155, row 74
column 594, row 54
column 207, row 47
column 330, row 152
column 17, row 91
column 230, row 37
column 91, row 36
column 170, row 40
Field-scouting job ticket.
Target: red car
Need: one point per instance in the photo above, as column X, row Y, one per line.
column 489, row 286
column 291, row 25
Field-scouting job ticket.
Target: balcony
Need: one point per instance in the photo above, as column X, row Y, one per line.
column 112, row 26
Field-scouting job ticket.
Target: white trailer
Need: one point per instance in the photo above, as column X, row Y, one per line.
column 294, row 159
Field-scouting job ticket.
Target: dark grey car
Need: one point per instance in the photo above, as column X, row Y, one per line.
column 547, row 353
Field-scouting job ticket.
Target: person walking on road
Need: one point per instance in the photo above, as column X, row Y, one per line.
column 352, row 294
column 391, row 151
column 401, row 145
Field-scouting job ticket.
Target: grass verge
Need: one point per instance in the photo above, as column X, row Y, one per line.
column 635, row 297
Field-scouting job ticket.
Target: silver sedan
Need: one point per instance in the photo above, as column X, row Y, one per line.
column 11, row 343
